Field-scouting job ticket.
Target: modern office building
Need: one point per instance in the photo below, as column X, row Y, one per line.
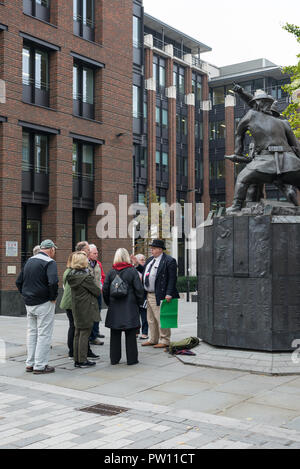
column 97, row 102
column 185, row 115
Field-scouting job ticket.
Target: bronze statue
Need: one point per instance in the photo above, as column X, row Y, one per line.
column 276, row 155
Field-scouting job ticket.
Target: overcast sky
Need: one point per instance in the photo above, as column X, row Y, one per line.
column 236, row 30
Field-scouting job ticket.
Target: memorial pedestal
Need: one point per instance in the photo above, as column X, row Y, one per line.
column 249, row 282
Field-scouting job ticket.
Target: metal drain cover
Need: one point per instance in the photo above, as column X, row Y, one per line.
column 104, row 409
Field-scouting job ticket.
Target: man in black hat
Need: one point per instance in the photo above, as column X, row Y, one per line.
column 159, row 277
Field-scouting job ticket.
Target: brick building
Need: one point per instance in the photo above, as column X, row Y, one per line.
column 97, row 100
column 65, row 126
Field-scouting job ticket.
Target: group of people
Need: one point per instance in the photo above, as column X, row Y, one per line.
column 132, row 290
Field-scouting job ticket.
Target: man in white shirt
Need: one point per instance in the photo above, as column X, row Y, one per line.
column 159, row 278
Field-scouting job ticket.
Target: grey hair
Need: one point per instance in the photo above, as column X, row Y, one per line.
column 93, row 246
column 36, row 250
column 140, row 256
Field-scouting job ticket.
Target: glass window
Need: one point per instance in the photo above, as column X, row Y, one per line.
column 136, row 101
column 75, row 82
column 154, row 71
column 220, row 129
column 199, row 91
column 41, row 153
column 88, row 162
column 212, row 170
column 88, row 13
column 44, row 3
column 165, row 118
column 157, row 160
column 212, row 131
column 165, row 161
column 162, row 76
column 259, row 84
column 75, row 161
column 201, row 130
column 88, row 85
column 220, row 169
column 136, row 31
column 185, row 166
column 184, row 126
column 79, row 232
column 196, row 129
column 26, row 80
column 26, row 152
column 181, row 84
column 41, row 70
column 144, row 157
column 218, row 95
column 157, row 115
column 194, row 86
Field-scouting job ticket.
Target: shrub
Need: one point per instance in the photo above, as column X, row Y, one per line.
column 182, row 284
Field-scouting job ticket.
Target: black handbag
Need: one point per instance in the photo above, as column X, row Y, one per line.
column 118, row 287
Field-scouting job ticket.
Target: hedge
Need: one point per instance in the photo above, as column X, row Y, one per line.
column 182, row 284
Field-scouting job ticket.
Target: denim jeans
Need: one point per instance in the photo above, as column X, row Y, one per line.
column 40, row 324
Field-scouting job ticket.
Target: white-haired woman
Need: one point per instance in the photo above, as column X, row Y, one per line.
column 123, row 312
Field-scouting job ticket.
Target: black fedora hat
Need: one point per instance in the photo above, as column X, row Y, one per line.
column 158, row 243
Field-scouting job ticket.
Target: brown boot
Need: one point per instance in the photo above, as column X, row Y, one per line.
column 147, row 344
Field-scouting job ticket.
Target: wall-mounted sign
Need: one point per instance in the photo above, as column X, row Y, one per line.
column 11, row 248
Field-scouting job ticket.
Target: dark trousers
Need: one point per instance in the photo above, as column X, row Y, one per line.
column 95, row 331
column 130, row 344
column 81, row 341
column 71, row 332
column 143, row 314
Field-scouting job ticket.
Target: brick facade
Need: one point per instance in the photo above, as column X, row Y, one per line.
column 113, row 115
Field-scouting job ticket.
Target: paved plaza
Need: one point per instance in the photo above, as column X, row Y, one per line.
column 169, row 402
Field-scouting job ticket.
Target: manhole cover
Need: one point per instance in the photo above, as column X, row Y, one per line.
column 103, row 409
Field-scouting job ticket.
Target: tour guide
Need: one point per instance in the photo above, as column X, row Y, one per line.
column 159, row 276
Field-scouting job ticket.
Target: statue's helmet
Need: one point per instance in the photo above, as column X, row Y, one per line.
column 262, row 96
column 274, row 109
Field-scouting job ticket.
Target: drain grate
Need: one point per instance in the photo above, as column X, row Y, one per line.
column 104, row 409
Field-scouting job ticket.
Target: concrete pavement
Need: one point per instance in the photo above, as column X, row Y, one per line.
column 171, row 404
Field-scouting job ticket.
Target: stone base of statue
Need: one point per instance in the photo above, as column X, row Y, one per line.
column 249, row 279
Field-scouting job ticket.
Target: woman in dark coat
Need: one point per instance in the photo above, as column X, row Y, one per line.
column 123, row 313
column 85, row 307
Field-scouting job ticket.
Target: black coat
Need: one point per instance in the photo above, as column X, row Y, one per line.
column 123, row 313
column 166, row 277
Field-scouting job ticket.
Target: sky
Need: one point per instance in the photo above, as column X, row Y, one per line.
column 236, row 30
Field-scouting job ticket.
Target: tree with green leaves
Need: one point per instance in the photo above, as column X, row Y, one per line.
column 292, row 111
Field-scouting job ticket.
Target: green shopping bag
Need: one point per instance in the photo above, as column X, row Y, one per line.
column 169, row 314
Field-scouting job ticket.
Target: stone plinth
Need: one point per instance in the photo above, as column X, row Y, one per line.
column 249, row 282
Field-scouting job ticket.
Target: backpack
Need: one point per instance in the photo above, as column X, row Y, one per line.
column 118, row 287
column 185, row 344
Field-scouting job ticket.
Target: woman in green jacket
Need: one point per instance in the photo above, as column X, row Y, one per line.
column 85, row 307
column 66, row 303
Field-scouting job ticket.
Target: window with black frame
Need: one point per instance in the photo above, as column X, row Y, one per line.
column 35, row 75
column 159, row 73
column 38, row 8
column 84, row 19
column 83, row 174
column 35, row 167
column 83, row 91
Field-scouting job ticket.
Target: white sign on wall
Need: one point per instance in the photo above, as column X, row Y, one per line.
column 11, row 248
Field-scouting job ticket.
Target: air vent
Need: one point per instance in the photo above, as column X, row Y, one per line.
column 103, row 409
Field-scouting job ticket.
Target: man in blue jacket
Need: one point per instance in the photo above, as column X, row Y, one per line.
column 38, row 284
column 159, row 277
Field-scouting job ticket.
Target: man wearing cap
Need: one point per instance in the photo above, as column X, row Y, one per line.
column 159, row 277
column 276, row 151
column 38, row 284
